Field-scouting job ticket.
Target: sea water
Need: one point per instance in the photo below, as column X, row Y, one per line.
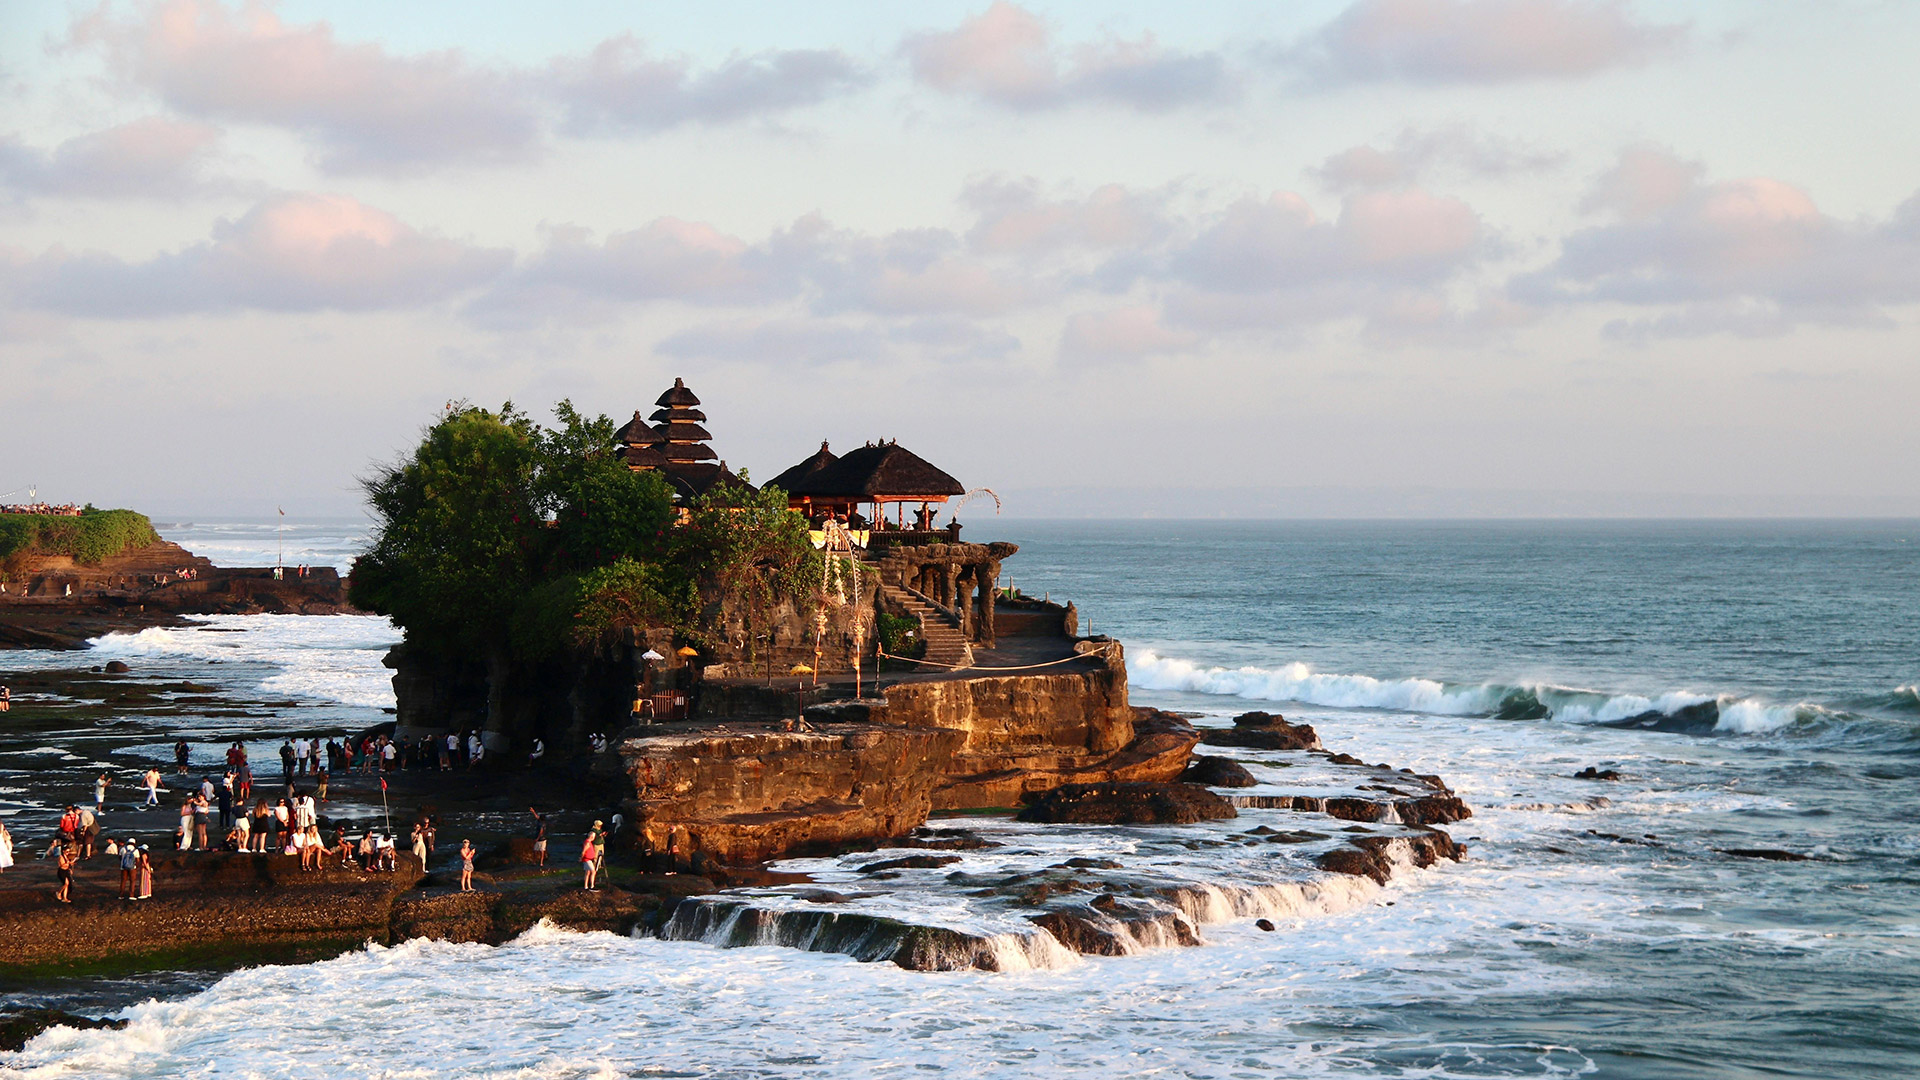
column 1597, row 928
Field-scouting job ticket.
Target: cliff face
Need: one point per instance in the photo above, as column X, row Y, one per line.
column 748, row 792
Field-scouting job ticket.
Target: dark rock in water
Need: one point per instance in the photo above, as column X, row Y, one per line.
column 18, row 1025
column 912, row 862
column 1084, row 863
column 1080, row 932
column 1373, row 856
column 117, row 667
column 1127, row 804
column 1217, row 772
column 1263, row 731
column 1592, row 773
column 1771, row 854
column 1264, row 924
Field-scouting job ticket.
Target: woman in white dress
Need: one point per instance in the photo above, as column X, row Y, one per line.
column 6, row 846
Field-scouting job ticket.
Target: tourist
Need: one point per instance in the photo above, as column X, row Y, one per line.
column 446, row 753
column 346, row 755
column 88, row 834
column 100, row 785
column 590, row 858
column 153, row 787
column 420, row 844
column 144, row 872
column 343, row 848
column 69, row 824
column 243, row 781
column 466, row 866
column 321, row 787
column 385, row 851
column 475, row 749
column 539, row 751
column 258, row 834
column 369, row 753
column 129, row 862
column 6, row 693
column 6, row 847
column 186, row 824
column 287, row 754
column 242, row 831
column 202, row 809
column 63, row 869
column 367, row 848
column 282, row 822
column 430, row 833
column 224, row 795
column 539, row 837
column 389, row 755
column 180, row 757
column 301, row 750
column 312, row 849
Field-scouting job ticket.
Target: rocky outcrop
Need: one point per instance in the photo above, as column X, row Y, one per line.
column 749, row 792
column 1218, row 772
column 1263, row 731
column 1375, row 856
column 1127, row 804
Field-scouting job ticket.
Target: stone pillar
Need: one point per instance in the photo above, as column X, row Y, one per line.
column 988, row 573
column 963, row 604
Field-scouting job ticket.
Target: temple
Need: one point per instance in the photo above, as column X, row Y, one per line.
column 677, row 448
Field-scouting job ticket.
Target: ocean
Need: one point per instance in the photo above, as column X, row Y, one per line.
column 1755, row 684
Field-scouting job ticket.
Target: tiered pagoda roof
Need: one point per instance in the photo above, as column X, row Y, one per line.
column 675, row 444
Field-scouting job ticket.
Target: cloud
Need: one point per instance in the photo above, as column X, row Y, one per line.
column 618, row 86
column 1015, row 217
column 155, row 157
column 1479, row 41
column 365, row 108
column 1747, row 256
column 1006, row 56
column 1127, row 333
column 289, row 253
column 1414, row 153
column 815, row 341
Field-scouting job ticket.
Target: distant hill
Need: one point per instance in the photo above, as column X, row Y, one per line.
column 87, row 539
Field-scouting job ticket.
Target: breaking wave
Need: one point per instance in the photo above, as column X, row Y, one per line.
column 325, row 657
column 1681, row 711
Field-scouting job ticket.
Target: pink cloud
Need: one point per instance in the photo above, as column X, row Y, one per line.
column 154, row 156
column 1126, row 333
column 1006, row 56
column 1751, row 255
column 289, row 253
column 1015, row 217
column 1481, row 41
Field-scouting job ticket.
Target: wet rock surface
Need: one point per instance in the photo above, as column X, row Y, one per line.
column 1263, row 731
column 18, row 1025
column 1127, row 804
column 1217, row 772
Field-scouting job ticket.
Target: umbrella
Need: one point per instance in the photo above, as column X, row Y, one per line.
column 799, row 669
column 688, row 650
column 650, row 656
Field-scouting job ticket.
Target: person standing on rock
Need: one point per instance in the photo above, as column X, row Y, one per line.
column 202, row 809
column 6, row 847
column 590, row 857
column 129, row 862
column 63, row 869
column 180, row 754
column 144, row 872
column 100, row 785
column 539, row 837
column 300, row 752
column 286, row 760
column 420, row 845
column 153, row 787
column 466, row 866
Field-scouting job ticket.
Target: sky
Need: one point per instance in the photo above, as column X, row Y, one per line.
column 1322, row 258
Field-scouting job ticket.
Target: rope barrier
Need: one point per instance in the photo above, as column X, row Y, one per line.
column 1101, row 653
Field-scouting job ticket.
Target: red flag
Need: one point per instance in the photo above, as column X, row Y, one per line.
column 383, row 783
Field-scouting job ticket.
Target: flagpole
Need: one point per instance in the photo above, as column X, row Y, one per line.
column 384, row 812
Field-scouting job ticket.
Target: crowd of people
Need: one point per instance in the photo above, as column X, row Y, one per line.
column 224, row 812
column 44, row 509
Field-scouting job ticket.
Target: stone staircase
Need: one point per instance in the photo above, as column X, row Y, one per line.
column 946, row 645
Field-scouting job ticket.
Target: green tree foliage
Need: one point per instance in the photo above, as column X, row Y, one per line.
column 459, row 530
column 498, row 535
column 93, row 536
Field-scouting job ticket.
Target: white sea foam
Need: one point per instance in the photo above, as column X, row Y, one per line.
column 1298, row 682
column 313, row 657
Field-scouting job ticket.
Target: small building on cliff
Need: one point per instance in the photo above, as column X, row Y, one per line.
column 878, row 475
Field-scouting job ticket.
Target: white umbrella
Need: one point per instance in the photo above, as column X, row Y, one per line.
column 650, row 655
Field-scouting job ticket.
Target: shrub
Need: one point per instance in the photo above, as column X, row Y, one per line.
column 93, row 536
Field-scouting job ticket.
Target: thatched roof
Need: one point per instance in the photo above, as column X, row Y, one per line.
column 637, row 432
column 676, row 413
column 886, row 470
column 678, row 394
column 688, row 451
column 642, row 457
column 694, row 479
column 683, row 432
column 806, row 470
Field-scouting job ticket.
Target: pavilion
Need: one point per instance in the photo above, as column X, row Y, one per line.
column 874, row 475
